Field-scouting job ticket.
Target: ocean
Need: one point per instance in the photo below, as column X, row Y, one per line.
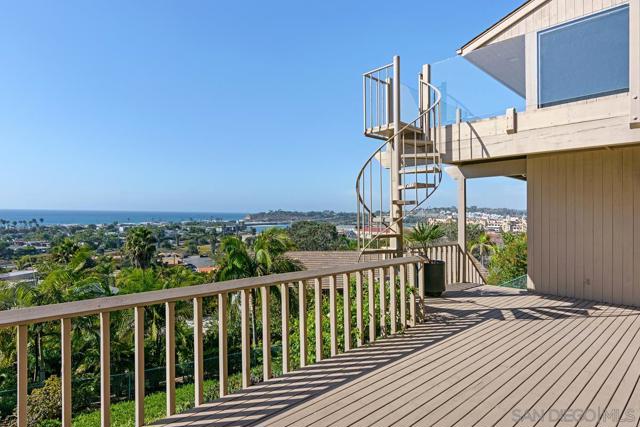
column 55, row 217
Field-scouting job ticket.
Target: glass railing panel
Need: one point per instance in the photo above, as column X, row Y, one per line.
column 483, row 84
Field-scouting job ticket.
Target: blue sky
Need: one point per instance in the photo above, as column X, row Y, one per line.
column 207, row 105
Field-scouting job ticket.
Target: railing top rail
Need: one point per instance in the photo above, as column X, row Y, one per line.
column 384, row 82
column 375, row 70
column 30, row 315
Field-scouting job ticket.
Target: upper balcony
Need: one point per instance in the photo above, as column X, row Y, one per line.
column 540, row 81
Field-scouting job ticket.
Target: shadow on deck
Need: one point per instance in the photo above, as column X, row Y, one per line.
column 484, row 356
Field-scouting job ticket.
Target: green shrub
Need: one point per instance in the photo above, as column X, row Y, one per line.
column 122, row 414
column 44, row 403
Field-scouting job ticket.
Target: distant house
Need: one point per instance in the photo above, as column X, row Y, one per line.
column 201, row 264
column 19, row 276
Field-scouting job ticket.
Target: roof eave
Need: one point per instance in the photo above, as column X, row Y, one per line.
column 491, row 32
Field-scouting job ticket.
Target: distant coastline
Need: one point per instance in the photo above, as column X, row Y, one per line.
column 71, row 217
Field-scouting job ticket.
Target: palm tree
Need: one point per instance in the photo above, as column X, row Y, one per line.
column 63, row 251
column 140, row 247
column 424, row 235
column 483, row 246
column 266, row 256
column 74, row 280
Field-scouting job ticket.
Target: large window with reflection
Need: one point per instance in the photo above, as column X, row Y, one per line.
column 585, row 58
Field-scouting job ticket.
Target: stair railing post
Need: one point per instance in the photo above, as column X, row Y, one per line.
column 396, row 152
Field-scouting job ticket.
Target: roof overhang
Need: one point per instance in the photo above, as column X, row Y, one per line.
column 483, row 38
column 504, row 61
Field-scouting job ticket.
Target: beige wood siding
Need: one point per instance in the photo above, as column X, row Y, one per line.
column 584, row 224
column 552, row 13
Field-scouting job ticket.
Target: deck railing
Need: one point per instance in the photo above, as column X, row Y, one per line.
column 401, row 313
column 461, row 266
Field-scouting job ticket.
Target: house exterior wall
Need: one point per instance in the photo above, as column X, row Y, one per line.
column 584, row 224
column 554, row 12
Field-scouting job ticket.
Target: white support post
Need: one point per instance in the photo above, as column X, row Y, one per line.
column 105, row 369
column 425, row 98
column 198, row 352
column 383, row 303
column 266, row 334
column 403, row 297
column 346, row 305
column 139, row 365
column 65, row 335
column 333, row 315
column 462, row 220
column 372, row 305
column 393, row 305
column 23, row 368
column 245, row 337
column 511, row 121
column 222, row 344
column 531, row 70
column 359, row 319
column 170, row 349
column 302, row 321
column 284, row 297
column 395, row 153
column 411, row 276
column 318, row 317
column 421, row 287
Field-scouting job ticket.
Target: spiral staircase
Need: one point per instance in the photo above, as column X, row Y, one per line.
column 404, row 170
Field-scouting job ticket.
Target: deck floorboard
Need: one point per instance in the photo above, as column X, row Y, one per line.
column 484, row 356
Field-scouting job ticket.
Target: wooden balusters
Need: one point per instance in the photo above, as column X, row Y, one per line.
column 407, row 273
column 392, row 300
column 383, row 304
column 403, row 297
column 105, row 369
column 222, row 344
column 23, row 367
column 284, row 296
column 346, row 306
column 359, row 319
column 139, row 365
column 198, row 352
column 410, row 271
column 318, row 317
column 420, row 272
column 302, row 321
column 170, row 349
column 266, row 334
column 245, row 342
column 372, row 306
column 333, row 315
column 65, row 338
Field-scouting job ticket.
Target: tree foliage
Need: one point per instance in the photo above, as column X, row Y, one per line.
column 474, row 231
column 509, row 260
column 316, row 236
column 424, row 235
column 140, row 247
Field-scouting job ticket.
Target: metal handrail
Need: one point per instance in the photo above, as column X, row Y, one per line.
column 375, row 70
column 433, row 108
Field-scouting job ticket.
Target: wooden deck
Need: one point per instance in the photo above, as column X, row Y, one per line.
column 486, row 356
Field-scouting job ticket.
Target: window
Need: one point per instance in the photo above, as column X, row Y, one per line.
column 585, row 58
